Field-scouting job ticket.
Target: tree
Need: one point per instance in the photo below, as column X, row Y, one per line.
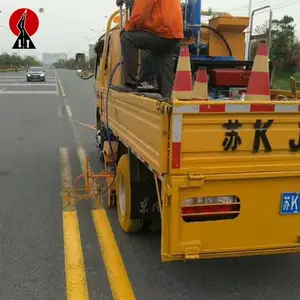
column 13, row 61
column 68, row 64
column 92, row 62
column 285, row 47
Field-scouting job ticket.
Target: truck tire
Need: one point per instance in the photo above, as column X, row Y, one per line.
column 123, row 193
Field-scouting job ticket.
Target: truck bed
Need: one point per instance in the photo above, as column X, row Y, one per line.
column 201, row 132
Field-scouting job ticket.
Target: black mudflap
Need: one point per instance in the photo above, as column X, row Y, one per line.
column 144, row 200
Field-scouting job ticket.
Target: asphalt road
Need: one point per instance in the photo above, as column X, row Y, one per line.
column 48, row 251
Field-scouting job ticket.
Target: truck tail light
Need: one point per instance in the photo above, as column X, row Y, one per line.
column 210, row 208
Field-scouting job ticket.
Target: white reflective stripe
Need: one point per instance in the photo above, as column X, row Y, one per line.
column 286, row 108
column 177, row 128
column 237, row 108
column 186, row 109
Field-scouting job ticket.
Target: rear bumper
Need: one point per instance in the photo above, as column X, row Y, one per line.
column 286, row 249
column 36, row 79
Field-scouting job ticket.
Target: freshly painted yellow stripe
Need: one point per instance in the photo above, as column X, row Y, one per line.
column 66, row 176
column 76, row 284
column 118, row 279
column 119, row 282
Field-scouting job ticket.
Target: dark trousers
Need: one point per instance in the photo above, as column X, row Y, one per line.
column 147, row 68
column 162, row 53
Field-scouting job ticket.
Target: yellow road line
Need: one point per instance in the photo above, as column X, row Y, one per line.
column 86, row 125
column 76, row 284
column 119, row 282
column 66, row 176
column 118, row 278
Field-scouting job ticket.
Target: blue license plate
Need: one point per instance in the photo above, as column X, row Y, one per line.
column 290, row 203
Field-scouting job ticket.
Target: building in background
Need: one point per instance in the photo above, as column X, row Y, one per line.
column 50, row 58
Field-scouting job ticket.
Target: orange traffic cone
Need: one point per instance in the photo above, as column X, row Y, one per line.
column 200, row 91
column 259, row 83
column 183, row 86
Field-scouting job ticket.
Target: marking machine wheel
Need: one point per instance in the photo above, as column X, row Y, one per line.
column 123, row 193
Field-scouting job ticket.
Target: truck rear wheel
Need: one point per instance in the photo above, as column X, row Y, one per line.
column 123, row 193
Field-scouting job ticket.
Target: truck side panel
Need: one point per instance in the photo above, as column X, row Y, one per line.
column 138, row 124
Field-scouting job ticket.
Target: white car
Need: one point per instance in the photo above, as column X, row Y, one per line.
column 79, row 72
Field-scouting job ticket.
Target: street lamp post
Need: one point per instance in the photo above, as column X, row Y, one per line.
column 7, row 32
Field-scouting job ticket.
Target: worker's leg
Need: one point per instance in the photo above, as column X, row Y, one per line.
column 130, row 61
column 164, row 65
column 130, row 42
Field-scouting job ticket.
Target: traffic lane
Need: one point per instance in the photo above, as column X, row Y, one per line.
column 21, row 80
column 28, row 120
column 94, row 268
column 97, row 280
column 31, row 123
column 11, row 74
column 22, row 75
column 19, row 85
column 37, row 87
column 115, row 278
column 80, row 96
column 32, row 260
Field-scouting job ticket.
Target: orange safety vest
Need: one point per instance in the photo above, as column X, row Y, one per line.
column 162, row 17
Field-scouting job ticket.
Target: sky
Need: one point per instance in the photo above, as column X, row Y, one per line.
column 66, row 26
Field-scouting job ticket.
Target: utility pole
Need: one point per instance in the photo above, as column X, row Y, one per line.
column 248, row 33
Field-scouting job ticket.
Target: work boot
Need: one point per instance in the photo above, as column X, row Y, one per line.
column 147, row 86
column 126, row 88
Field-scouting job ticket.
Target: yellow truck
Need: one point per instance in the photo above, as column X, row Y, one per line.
column 221, row 172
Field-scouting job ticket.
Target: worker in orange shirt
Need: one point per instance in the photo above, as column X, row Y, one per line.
column 157, row 26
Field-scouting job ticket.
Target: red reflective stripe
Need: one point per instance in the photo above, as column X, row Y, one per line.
column 212, row 108
column 207, row 209
column 262, row 107
column 176, row 153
